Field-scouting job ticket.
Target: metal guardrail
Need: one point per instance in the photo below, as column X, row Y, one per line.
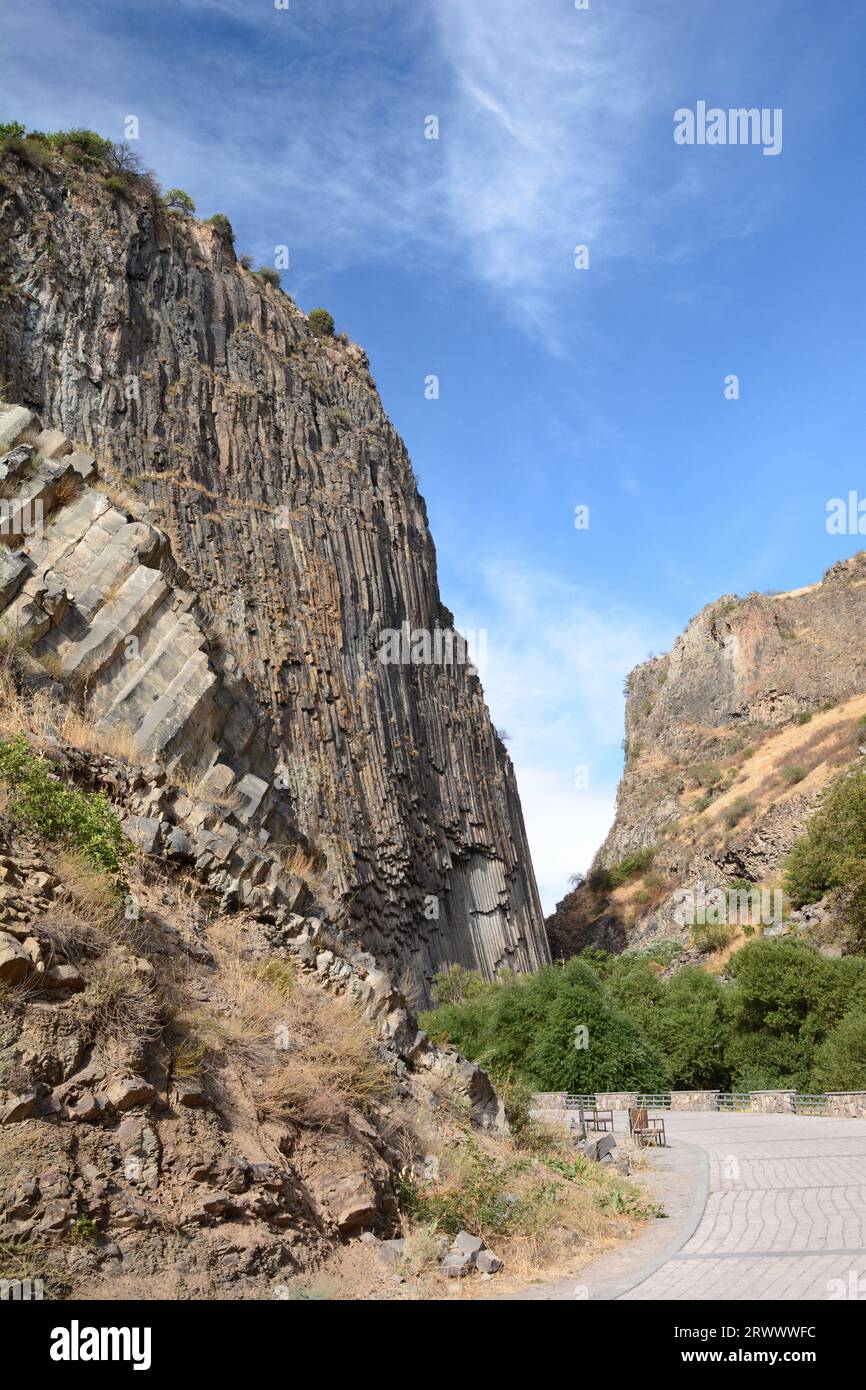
column 735, row 1100
column 811, row 1105
column 659, row 1101
column 580, row 1103
column 730, row 1101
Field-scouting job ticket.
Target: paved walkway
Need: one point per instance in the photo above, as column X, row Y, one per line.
column 759, row 1207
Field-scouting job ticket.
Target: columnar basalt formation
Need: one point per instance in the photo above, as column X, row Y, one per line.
column 269, row 531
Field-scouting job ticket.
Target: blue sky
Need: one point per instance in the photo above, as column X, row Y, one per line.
column 455, row 257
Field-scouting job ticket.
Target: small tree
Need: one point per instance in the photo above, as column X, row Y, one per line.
column 122, row 159
column 321, row 323
column 176, row 200
column 11, row 130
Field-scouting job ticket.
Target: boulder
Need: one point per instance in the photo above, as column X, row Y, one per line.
column 127, row 1091
column 64, row 977
column 467, row 1244
column 15, row 963
column 487, row 1262
column 457, row 1264
column 598, row 1146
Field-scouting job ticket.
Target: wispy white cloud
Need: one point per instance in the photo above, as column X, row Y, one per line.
column 557, row 658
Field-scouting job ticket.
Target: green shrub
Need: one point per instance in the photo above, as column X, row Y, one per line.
column 633, row 864
column 599, row 881
column 706, row 774
column 223, row 226
column 840, row 1060
column 712, row 936
column 116, row 186
column 736, row 811
column 784, row 998
column 82, row 820
column 804, row 717
column 11, row 130
column 831, row 856
column 457, row 985
column 35, row 153
column 527, row 1027
column 270, row 275
column 793, row 773
column 86, row 142
column 321, row 323
column 176, row 200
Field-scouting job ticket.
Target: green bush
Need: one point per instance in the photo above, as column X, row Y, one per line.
column 11, row 130
column 712, row 936
column 840, row 1060
column 85, row 142
column 527, row 1028
column 270, row 275
column 793, row 773
column 736, row 811
column 831, row 856
column 116, row 186
column 784, row 998
column 34, row 153
column 599, row 881
column 321, row 323
column 82, row 820
column 223, row 226
column 804, row 717
column 633, row 864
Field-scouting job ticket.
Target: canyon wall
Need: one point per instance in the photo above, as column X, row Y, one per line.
column 292, row 536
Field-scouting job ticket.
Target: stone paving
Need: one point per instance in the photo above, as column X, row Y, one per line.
column 785, row 1216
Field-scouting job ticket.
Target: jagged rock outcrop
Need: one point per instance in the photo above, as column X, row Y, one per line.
column 276, row 533
column 731, row 740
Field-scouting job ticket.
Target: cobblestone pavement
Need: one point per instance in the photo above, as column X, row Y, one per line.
column 785, row 1215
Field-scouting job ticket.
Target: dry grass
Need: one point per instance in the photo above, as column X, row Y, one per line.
column 86, row 918
column 313, row 1055
column 818, row 745
column 195, row 786
column 44, row 718
column 307, row 867
column 121, row 1007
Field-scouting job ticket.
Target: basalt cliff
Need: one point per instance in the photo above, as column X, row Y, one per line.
column 256, row 529
column 733, row 738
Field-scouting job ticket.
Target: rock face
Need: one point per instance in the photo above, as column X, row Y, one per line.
column 731, row 739
column 268, row 536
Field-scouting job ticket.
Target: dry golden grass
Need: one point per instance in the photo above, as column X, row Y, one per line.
column 196, row 786
column 46, row 718
column 313, row 1054
column 306, row 867
column 817, row 745
column 86, row 917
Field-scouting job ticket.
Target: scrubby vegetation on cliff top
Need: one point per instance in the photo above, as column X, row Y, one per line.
column 125, row 177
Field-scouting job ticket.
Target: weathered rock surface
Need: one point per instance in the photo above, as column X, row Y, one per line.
column 731, row 740
column 232, row 615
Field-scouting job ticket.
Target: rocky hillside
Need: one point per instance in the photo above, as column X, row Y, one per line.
column 732, row 738
column 220, row 599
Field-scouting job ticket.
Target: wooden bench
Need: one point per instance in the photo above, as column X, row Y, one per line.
column 599, row 1119
column 645, row 1129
